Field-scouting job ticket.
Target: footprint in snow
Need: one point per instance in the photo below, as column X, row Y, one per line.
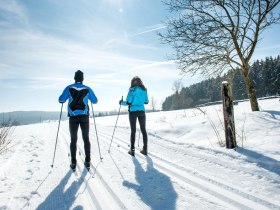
column 30, row 171
column 34, row 193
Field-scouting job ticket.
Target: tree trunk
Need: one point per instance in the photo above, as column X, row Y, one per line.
column 251, row 92
column 228, row 115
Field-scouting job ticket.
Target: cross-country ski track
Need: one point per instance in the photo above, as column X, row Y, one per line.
column 175, row 175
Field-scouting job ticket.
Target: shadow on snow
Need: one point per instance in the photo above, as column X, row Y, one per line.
column 61, row 198
column 261, row 160
column 274, row 114
column 154, row 188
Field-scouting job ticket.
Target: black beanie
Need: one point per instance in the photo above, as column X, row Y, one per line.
column 79, row 76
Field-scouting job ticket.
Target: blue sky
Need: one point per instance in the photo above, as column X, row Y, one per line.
column 42, row 44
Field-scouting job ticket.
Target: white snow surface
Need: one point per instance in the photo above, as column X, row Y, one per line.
column 186, row 167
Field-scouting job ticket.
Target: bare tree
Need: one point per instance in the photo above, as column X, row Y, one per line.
column 153, row 103
column 177, row 86
column 212, row 36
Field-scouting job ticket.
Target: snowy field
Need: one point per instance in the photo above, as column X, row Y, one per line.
column 186, row 167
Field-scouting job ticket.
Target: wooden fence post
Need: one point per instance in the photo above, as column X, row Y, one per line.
column 228, row 115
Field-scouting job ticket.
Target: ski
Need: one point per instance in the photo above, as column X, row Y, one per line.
column 143, row 152
column 131, row 152
column 75, row 172
column 90, row 171
column 87, row 166
column 72, row 168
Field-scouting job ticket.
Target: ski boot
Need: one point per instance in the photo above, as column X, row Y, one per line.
column 144, row 152
column 73, row 166
column 87, row 164
column 131, row 152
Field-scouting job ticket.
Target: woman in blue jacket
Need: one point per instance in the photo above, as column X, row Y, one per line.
column 136, row 98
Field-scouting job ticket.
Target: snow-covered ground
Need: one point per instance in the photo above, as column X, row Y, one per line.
column 186, row 168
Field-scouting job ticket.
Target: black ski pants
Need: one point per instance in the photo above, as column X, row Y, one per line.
column 74, row 123
column 142, row 121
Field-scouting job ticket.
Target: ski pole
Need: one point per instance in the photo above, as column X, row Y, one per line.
column 57, row 135
column 115, row 127
column 96, row 133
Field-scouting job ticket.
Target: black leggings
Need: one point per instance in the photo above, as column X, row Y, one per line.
column 142, row 121
column 74, row 122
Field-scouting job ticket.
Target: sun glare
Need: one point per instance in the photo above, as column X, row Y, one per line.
column 117, row 3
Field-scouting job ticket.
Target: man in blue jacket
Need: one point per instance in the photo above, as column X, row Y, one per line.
column 78, row 112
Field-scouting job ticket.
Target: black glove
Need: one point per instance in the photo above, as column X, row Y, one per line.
column 120, row 102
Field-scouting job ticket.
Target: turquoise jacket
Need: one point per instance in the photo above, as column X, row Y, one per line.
column 136, row 98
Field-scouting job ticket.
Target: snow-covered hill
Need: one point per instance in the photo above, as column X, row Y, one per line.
column 186, row 168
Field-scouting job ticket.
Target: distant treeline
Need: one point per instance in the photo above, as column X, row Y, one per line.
column 264, row 73
column 29, row 117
